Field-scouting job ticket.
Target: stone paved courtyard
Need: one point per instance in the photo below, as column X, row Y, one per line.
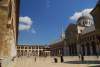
column 89, row 61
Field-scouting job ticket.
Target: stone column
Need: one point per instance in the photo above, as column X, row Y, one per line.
column 85, row 51
column 20, row 52
column 97, row 49
column 91, row 50
column 38, row 51
column 57, row 51
column 78, row 48
column 27, row 51
column 61, row 50
column 81, row 51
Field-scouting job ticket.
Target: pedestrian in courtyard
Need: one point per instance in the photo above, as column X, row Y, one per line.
column 61, row 58
column 82, row 58
column 55, row 59
column 35, row 58
column 79, row 56
column 97, row 55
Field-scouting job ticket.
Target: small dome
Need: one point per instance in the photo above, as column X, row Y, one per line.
column 98, row 3
column 83, row 17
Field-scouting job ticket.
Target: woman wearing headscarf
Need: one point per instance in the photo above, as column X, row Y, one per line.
column 61, row 58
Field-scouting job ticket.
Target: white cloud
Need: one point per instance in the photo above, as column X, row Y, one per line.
column 47, row 5
column 26, row 20
column 78, row 14
column 32, row 31
column 47, row 1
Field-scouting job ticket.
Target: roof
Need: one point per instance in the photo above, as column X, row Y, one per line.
column 83, row 17
column 98, row 3
column 33, row 45
column 57, row 41
column 88, row 29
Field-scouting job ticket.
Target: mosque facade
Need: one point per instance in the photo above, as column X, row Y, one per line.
column 79, row 38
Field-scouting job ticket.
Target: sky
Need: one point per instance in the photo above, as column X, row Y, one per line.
column 40, row 21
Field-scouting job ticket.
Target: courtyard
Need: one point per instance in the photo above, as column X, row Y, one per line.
column 69, row 61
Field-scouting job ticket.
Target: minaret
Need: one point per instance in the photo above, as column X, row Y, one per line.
column 62, row 34
column 62, row 31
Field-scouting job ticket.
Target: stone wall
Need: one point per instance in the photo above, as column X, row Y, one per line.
column 7, row 31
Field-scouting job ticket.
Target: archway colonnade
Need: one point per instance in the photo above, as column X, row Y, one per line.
column 57, row 51
column 90, row 48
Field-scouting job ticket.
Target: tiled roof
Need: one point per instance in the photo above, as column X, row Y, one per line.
column 88, row 29
column 57, row 41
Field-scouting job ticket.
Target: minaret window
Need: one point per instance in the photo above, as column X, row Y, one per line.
column 83, row 23
column 81, row 31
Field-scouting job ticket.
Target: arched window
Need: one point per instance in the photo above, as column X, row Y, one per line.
column 93, row 37
column 81, row 31
column 85, row 38
column 90, row 38
column 83, row 23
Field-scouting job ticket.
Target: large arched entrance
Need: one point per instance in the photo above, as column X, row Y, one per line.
column 93, row 47
column 75, row 49
column 88, row 48
column 83, row 49
column 72, row 49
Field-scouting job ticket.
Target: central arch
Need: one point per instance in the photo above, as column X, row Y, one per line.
column 83, row 49
column 88, row 48
column 93, row 47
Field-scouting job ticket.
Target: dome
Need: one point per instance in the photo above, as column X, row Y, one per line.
column 98, row 3
column 83, row 17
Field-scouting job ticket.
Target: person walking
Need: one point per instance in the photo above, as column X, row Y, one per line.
column 82, row 58
column 35, row 58
column 61, row 58
column 97, row 55
column 79, row 56
column 55, row 58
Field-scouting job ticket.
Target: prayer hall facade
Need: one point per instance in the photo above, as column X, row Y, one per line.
column 79, row 38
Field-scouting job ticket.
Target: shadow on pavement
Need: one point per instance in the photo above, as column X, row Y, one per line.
column 95, row 66
column 82, row 62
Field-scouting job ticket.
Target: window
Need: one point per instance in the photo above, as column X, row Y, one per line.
column 93, row 37
column 81, row 31
column 85, row 38
column 83, row 23
column 90, row 38
column 96, row 37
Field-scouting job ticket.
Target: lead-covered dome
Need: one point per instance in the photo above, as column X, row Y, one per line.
column 84, row 21
column 83, row 17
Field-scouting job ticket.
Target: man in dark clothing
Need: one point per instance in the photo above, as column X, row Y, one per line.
column 82, row 58
column 55, row 60
column 61, row 58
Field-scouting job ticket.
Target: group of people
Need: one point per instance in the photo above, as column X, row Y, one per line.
column 56, row 58
column 81, row 56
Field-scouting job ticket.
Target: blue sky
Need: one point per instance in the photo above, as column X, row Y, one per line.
column 40, row 21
